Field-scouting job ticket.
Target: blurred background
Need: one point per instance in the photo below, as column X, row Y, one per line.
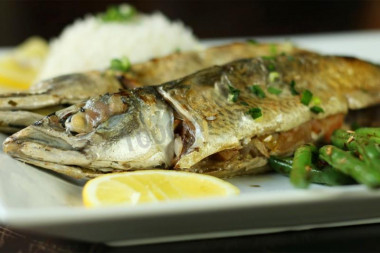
column 20, row 19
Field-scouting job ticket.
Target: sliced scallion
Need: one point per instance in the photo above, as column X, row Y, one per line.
column 274, row 90
column 293, row 88
column 258, row 91
column 123, row 64
column 120, row 13
column 316, row 109
column 255, row 112
column 274, row 76
column 306, row 97
column 233, row 94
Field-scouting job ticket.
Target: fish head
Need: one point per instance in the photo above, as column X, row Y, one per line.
column 129, row 130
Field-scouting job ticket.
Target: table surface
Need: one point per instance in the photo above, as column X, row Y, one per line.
column 363, row 238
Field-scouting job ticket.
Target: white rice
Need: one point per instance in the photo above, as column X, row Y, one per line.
column 90, row 44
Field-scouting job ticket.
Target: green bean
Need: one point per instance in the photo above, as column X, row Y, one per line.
column 300, row 173
column 369, row 134
column 349, row 140
column 330, row 176
column 340, row 138
column 364, row 145
column 368, row 131
column 325, row 176
column 372, row 154
column 350, row 165
column 283, row 166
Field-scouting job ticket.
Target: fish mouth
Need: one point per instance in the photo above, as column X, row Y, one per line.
column 35, row 143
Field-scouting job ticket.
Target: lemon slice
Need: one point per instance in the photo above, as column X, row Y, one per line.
column 19, row 68
column 147, row 186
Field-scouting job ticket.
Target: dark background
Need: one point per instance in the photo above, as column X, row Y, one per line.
column 20, row 19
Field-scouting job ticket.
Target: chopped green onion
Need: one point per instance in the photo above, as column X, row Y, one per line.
column 271, row 67
column 256, row 89
column 255, row 112
column 274, row 90
column 234, row 94
column 274, row 76
column 120, row 13
column 122, row 64
column 244, row 103
column 273, row 49
column 293, row 88
column 316, row 109
column 253, row 42
column 316, row 100
column 306, row 97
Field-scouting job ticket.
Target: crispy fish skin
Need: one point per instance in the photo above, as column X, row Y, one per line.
column 70, row 89
column 175, row 66
column 185, row 123
column 339, row 83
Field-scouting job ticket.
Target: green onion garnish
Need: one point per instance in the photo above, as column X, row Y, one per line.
column 271, row 67
column 244, row 103
column 293, row 88
column 256, row 89
column 255, row 112
column 120, row 13
column 274, row 90
column 306, row 97
column 234, row 94
column 122, row 64
column 290, row 58
column 316, row 100
column 316, row 109
column 253, row 42
column 274, row 76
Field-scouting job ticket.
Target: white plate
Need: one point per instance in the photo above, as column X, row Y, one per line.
column 43, row 202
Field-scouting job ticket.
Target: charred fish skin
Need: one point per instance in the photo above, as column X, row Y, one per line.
column 73, row 88
column 200, row 120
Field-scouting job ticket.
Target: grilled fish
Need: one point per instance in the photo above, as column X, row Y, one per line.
column 213, row 121
column 66, row 90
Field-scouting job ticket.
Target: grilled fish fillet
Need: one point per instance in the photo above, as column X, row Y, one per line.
column 212, row 121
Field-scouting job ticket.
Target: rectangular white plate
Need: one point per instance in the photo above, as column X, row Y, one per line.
column 43, row 202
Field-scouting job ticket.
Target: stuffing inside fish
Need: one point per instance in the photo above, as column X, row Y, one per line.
column 224, row 120
column 45, row 96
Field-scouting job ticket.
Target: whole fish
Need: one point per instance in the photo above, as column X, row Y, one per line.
column 224, row 120
column 46, row 96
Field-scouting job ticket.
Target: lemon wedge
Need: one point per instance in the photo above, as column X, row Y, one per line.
column 19, row 67
column 149, row 186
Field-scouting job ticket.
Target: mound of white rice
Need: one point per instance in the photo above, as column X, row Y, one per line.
column 90, row 44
